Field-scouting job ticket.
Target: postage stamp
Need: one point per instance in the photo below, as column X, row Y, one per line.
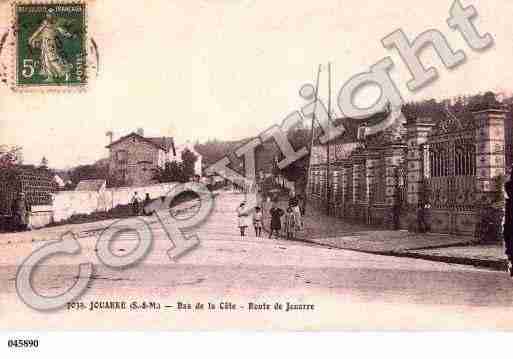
column 50, row 45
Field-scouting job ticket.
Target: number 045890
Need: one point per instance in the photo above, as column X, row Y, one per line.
column 23, row 343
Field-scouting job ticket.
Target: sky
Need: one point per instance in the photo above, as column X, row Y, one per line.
column 229, row 69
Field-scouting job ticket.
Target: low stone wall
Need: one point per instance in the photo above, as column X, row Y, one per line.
column 68, row 203
column 41, row 216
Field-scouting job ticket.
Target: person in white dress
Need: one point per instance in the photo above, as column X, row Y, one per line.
column 243, row 218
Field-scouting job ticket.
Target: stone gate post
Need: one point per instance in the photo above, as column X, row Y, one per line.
column 490, row 165
column 393, row 155
column 343, row 189
column 417, row 135
column 372, row 163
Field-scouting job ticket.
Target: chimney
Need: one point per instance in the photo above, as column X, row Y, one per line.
column 140, row 131
column 110, row 135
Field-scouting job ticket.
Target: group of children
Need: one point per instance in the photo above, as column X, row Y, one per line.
column 291, row 223
column 244, row 219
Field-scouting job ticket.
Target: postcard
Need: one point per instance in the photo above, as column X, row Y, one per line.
column 243, row 165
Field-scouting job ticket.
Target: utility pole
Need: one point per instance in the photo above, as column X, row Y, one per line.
column 312, row 135
column 328, row 180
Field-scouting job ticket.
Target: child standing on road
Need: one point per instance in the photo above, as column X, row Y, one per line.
column 257, row 221
column 243, row 218
column 276, row 214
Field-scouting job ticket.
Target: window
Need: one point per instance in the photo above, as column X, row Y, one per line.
column 121, row 156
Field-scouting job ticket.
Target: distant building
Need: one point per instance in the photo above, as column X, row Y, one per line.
column 188, row 146
column 95, row 185
column 62, row 180
column 134, row 157
column 59, row 181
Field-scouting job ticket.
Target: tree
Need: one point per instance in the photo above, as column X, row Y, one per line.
column 213, row 150
column 175, row 171
column 172, row 172
column 188, row 161
column 86, row 172
column 7, row 160
column 297, row 171
column 10, row 156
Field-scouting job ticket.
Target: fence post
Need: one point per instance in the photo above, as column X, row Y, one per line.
column 490, row 166
column 417, row 135
column 392, row 157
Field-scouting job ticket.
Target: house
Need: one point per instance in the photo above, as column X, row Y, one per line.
column 198, row 165
column 94, row 185
column 133, row 158
column 61, row 179
column 352, row 138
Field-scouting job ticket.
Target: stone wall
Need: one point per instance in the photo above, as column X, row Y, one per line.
column 389, row 182
column 68, row 203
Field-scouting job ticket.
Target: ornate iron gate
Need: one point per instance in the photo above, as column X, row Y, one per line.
column 451, row 185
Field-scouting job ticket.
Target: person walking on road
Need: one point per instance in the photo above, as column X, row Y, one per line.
column 147, row 201
column 508, row 226
column 276, row 214
column 242, row 218
column 136, row 201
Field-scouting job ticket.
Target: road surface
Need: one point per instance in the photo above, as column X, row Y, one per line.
column 331, row 288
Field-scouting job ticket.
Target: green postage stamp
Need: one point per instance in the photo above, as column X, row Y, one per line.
column 50, row 46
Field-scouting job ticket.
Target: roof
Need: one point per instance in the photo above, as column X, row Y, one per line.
column 164, row 143
column 351, row 126
column 63, row 175
column 90, row 185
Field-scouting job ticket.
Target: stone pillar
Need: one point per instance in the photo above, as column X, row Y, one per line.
column 490, row 162
column 361, row 194
column 372, row 162
column 342, row 190
column 490, row 166
column 417, row 136
column 310, row 184
column 393, row 156
column 354, row 188
column 335, row 189
column 348, row 188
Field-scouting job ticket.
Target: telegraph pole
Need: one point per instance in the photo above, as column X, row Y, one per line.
column 328, row 184
column 312, row 135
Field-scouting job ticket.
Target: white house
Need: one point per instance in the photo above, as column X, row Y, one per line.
column 198, row 166
column 61, row 180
